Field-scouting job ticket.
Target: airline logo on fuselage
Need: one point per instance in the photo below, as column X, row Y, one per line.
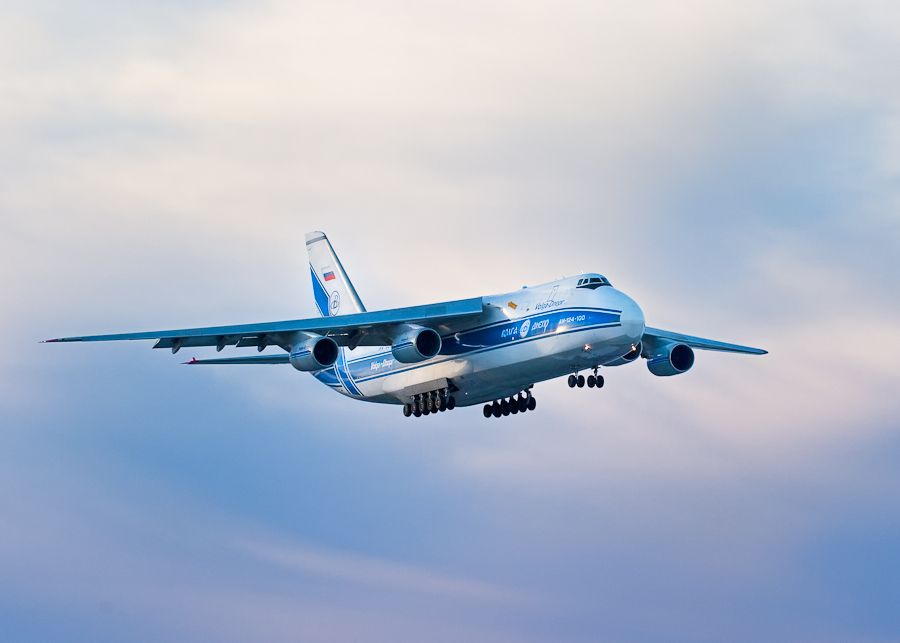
column 526, row 328
column 385, row 363
column 551, row 302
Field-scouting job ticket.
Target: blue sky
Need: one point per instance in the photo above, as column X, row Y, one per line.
column 736, row 169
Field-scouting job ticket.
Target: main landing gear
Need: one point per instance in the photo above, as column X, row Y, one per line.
column 428, row 403
column 521, row 403
column 593, row 381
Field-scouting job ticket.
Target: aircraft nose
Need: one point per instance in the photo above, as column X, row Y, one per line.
column 632, row 318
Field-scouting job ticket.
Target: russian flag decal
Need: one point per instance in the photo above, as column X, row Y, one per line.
column 328, row 276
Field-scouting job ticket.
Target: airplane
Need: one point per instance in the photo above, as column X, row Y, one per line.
column 489, row 350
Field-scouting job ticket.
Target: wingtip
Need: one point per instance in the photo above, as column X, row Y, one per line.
column 49, row 341
column 193, row 360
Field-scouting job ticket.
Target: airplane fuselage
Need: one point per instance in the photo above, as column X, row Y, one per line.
column 523, row 337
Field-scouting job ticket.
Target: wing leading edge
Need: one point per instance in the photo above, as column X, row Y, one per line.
column 358, row 329
column 280, row 358
column 655, row 336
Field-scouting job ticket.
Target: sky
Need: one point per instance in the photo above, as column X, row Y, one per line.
column 735, row 167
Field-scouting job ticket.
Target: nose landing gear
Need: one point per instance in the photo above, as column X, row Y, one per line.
column 592, row 381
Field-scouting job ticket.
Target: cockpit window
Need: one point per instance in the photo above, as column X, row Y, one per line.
column 593, row 282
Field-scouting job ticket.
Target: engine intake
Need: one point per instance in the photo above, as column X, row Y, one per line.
column 314, row 352
column 672, row 359
column 416, row 344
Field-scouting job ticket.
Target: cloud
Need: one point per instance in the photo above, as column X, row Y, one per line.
column 734, row 168
column 376, row 573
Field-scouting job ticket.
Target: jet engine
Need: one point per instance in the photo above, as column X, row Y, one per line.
column 314, row 352
column 671, row 359
column 416, row 344
column 629, row 357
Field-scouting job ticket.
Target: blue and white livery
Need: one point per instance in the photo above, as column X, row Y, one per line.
column 488, row 350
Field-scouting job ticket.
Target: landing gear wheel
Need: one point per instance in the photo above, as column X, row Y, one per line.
column 427, row 411
column 581, row 381
column 407, row 410
column 417, row 413
column 600, row 381
column 523, row 404
column 439, row 403
column 451, row 403
column 513, row 406
column 496, row 409
column 504, row 408
column 591, row 380
column 488, row 410
column 573, row 381
column 532, row 404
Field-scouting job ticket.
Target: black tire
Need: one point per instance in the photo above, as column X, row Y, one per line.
column 439, row 403
column 417, row 413
column 532, row 404
column 504, row 408
column 523, row 404
column 581, row 381
column 426, row 411
column 573, row 381
column 407, row 410
column 591, row 380
column 600, row 381
column 513, row 406
column 451, row 403
column 496, row 409
column 488, row 410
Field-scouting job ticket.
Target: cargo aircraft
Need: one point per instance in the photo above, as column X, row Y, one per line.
column 488, row 350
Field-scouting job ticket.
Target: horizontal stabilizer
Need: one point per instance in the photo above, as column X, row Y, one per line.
column 249, row 359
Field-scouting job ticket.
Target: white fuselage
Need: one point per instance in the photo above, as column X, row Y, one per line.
column 523, row 337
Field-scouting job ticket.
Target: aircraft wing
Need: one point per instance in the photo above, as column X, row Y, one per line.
column 358, row 329
column 279, row 358
column 654, row 337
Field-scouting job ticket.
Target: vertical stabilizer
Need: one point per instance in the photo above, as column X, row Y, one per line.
column 334, row 293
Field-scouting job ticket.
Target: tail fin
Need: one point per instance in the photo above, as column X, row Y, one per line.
column 334, row 293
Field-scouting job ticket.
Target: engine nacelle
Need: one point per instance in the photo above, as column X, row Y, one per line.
column 314, row 352
column 416, row 344
column 671, row 359
column 629, row 357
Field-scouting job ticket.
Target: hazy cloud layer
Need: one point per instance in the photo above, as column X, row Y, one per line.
column 736, row 169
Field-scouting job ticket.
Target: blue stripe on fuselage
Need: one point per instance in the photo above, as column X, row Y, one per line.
column 328, row 376
column 345, row 376
column 535, row 318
